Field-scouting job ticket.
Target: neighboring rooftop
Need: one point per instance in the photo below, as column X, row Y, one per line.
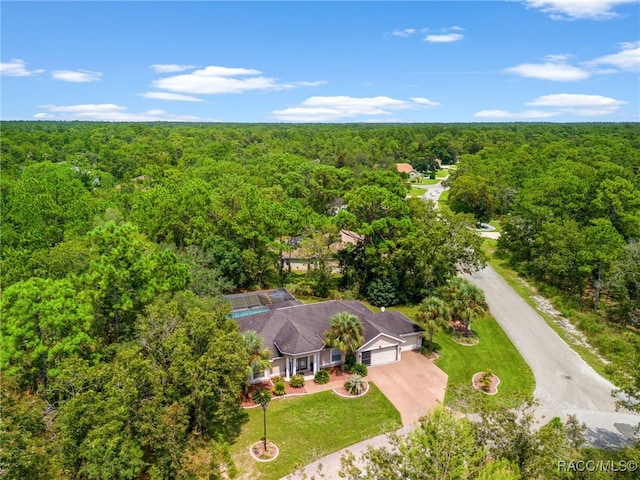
column 404, row 167
column 251, row 303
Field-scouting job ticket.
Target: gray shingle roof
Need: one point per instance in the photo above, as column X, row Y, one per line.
column 300, row 329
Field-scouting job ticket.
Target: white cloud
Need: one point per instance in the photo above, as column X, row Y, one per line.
column 328, row 109
column 213, row 80
column 171, row 68
column 560, row 104
column 554, row 70
column 109, row 112
column 578, row 104
column 425, row 101
column 444, row 38
column 627, row 59
column 578, row 9
column 17, row 68
column 404, row 33
column 311, row 84
column 176, row 97
column 76, row 76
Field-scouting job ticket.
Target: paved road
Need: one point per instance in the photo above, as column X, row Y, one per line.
column 565, row 384
column 432, row 192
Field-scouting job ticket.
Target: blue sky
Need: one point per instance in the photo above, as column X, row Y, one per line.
column 333, row 61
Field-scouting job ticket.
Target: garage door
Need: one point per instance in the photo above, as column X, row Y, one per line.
column 383, row 355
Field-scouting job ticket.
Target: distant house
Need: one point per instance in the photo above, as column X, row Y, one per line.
column 297, row 260
column 294, row 332
column 408, row 169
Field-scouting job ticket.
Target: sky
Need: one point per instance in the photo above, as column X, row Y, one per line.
column 329, row 61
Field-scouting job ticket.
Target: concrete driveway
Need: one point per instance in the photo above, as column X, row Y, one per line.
column 415, row 385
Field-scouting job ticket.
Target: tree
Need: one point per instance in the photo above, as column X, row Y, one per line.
column 433, row 313
column 624, row 284
column 466, row 301
column 262, row 397
column 27, row 450
column 203, row 356
column 126, row 275
column 471, row 194
column 259, row 357
column 440, row 447
column 43, row 321
column 345, row 332
column 48, row 205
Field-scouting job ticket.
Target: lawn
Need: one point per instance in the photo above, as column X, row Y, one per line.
column 495, row 352
column 309, row 427
column 417, row 192
column 443, row 201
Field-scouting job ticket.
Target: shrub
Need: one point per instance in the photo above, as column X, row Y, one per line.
column 360, row 369
column 279, row 386
column 355, row 385
column 485, row 381
column 297, row 381
column 321, row 377
column 349, row 361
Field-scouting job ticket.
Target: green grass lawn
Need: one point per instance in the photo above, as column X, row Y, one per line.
column 443, row 201
column 495, row 352
column 309, row 427
column 417, row 192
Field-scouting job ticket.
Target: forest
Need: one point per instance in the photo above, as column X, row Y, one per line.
column 119, row 358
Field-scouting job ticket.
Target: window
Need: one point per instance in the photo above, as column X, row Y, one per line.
column 336, row 355
column 256, row 372
column 302, row 363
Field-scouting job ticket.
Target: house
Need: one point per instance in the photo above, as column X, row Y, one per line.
column 408, row 169
column 294, row 332
column 300, row 261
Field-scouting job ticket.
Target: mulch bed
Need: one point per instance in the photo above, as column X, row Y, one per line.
column 460, row 328
column 493, row 387
column 345, row 393
column 259, row 453
column 336, row 373
column 248, row 403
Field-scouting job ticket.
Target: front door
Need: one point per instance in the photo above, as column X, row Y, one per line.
column 366, row 358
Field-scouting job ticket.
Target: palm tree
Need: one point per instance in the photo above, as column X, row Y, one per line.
column 262, row 396
column 259, row 357
column 433, row 313
column 345, row 332
column 466, row 300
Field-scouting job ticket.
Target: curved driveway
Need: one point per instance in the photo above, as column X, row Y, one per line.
column 565, row 384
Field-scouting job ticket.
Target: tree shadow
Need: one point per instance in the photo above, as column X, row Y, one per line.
column 606, row 439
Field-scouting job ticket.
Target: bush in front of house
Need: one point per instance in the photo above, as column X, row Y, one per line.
column 360, row 369
column 322, row 377
column 279, row 387
column 349, row 361
column 355, row 385
column 297, row 381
